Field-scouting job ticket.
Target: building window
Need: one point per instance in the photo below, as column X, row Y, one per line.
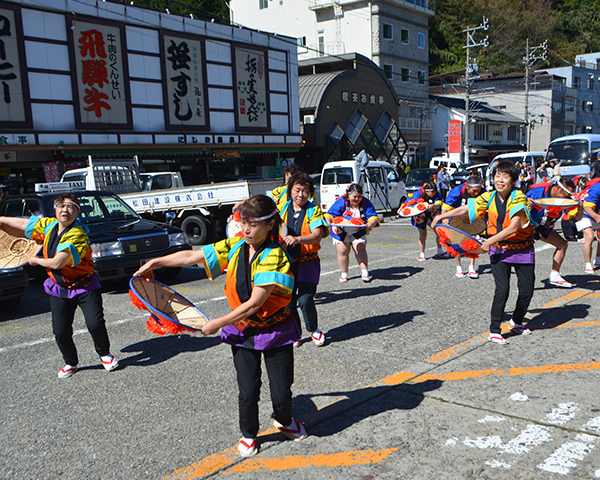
column 421, row 41
column 421, row 77
column 389, row 71
column 388, row 31
column 321, row 36
column 590, row 84
column 263, row 4
column 405, row 75
column 577, row 106
column 404, row 36
column 479, row 133
column 577, row 82
column 557, row 107
column 569, row 105
column 512, row 133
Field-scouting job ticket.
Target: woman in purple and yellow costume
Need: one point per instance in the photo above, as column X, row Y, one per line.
column 306, row 227
column 259, row 288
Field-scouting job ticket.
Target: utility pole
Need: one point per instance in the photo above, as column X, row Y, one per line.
column 471, row 66
column 529, row 59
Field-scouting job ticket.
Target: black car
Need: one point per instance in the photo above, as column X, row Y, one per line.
column 121, row 240
column 13, row 283
column 463, row 172
column 417, row 177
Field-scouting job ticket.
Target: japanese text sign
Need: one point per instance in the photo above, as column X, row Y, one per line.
column 12, row 100
column 98, row 57
column 251, row 91
column 184, row 82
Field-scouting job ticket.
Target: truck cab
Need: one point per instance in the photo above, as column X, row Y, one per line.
column 380, row 181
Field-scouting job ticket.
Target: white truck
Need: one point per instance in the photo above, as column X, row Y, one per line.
column 199, row 210
column 380, row 181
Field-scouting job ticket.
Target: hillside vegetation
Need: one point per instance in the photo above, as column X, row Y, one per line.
column 571, row 27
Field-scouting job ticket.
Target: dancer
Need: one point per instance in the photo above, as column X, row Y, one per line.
column 589, row 224
column 545, row 219
column 352, row 203
column 306, row 227
column 427, row 193
column 71, row 282
column 280, row 194
column 510, row 244
column 259, row 288
column 458, row 197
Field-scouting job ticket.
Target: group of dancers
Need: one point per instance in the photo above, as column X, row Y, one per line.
column 270, row 277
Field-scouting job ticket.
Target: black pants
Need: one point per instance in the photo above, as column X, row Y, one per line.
column 280, row 368
column 525, row 282
column 63, row 314
column 303, row 297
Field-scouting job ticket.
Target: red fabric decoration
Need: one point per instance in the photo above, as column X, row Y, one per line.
column 469, row 245
column 357, row 221
column 347, row 213
column 471, row 255
column 410, row 202
column 337, row 220
column 239, row 234
column 421, row 207
column 451, row 251
column 442, row 235
column 237, row 216
column 162, row 326
column 136, row 301
column 406, row 211
column 420, row 200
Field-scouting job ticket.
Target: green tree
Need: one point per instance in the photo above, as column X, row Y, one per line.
column 207, row 10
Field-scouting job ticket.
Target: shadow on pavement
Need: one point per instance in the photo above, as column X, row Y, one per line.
column 395, row 273
column 161, row 349
column 557, row 316
column 322, row 298
column 366, row 326
column 359, row 405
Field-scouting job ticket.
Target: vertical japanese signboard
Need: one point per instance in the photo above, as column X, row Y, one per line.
column 252, row 110
column 454, row 136
column 14, row 104
column 184, row 83
column 100, row 74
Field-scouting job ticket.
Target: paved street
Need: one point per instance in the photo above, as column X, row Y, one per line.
column 406, row 386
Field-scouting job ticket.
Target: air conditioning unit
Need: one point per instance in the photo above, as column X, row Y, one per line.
column 309, row 119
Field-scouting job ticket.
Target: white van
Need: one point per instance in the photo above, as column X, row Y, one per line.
column 532, row 159
column 380, row 181
column 451, row 165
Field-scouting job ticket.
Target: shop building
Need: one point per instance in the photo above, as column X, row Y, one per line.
column 113, row 81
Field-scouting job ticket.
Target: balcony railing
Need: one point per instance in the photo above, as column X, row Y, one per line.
column 318, row 4
column 414, row 123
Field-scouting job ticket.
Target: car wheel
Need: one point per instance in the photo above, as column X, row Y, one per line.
column 197, row 230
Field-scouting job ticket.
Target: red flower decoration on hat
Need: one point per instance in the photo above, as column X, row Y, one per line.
column 421, row 207
column 406, row 211
column 410, row 203
column 337, row 220
column 237, row 216
column 469, row 245
column 357, row 221
column 421, row 200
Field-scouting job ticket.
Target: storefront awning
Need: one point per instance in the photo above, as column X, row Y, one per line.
column 270, row 150
column 144, row 152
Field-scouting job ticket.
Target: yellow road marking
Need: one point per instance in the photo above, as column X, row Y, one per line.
column 376, row 244
column 292, row 462
column 11, row 326
column 390, row 245
column 13, row 331
column 452, row 376
column 403, row 238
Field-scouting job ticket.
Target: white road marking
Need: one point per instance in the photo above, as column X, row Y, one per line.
column 563, row 458
column 519, row 397
column 532, row 436
column 491, row 418
column 593, row 425
column 498, row 464
column 490, row 441
column 562, row 414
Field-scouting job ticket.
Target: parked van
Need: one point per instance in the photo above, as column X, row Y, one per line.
column 532, row 159
column 450, row 164
column 380, row 181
